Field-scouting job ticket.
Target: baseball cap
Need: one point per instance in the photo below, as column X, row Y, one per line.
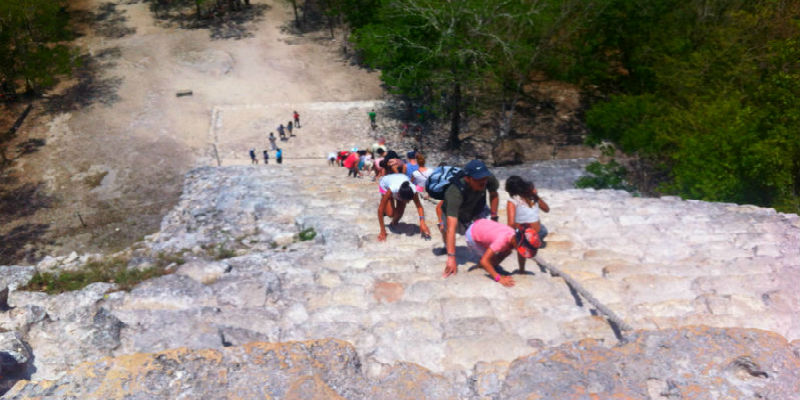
column 476, row 169
column 411, row 154
column 527, row 242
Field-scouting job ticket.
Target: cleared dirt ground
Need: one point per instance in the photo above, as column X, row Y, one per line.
column 117, row 138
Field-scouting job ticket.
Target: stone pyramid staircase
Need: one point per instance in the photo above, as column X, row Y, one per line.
column 658, row 263
column 247, row 277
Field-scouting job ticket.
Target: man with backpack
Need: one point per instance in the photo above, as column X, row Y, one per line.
column 464, row 202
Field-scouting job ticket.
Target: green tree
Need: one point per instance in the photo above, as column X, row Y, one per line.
column 709, row 91
column 32, row 49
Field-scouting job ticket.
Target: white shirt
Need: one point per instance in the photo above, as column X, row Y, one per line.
column 525, row 214
column 419, row 178
column 393, row 182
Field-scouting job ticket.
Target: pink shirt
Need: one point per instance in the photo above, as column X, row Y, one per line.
column 490, row 234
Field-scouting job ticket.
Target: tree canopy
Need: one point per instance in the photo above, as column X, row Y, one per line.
column 32, row 44
column 708, row 91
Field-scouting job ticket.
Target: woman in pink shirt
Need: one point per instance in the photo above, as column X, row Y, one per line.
column 493, row 242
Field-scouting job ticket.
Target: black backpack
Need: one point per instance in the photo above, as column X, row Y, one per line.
column 440, row 180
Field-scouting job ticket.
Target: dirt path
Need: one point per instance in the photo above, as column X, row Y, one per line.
column 119, row 141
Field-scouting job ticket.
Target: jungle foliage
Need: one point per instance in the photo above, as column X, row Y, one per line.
column 707, row 92
column 33, row 45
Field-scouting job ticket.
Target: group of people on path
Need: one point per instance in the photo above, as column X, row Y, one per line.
column 464, row 210
column 294, row 123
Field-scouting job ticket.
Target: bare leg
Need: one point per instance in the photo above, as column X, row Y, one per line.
column 399, row 210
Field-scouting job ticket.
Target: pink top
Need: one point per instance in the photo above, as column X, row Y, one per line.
column 490, row 234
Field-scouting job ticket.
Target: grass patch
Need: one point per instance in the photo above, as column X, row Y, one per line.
column 223, row 253
column 114, row 270
column 307, row 234
column 95, row 180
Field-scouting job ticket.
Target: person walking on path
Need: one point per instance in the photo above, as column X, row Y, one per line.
column 396, row 191
column 523, row 208
column 493, row 242
column 465, row 202
column 266, row 157
column 272, row 144
column 372, row 116
column 332, row 158
column 253, row 159
column 281, row 132
column 279, row 156
column 289, row 127
column 296, row 117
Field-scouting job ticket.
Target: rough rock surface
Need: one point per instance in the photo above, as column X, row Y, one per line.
column 660, row 264
column 688, row 363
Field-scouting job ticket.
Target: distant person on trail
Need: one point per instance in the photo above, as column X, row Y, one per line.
column 253, row 159
column 372, row 117
column 296, row 117
column 397, row 191
column 464, row 203
column 272, row 144
column 341, row 156
column 523, row 209
column 266, row 157
column 493, row 242
column 279, row 156
column 289, row 127
column 351, row 163
column 281, row 132
column 332, row 158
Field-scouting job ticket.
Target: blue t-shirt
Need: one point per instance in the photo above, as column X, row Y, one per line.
column 279, row 154
column 410, row 168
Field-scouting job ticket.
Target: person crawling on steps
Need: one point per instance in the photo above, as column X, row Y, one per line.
column 493, row 242
column 396, row 191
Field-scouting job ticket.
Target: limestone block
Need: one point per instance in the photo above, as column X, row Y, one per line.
column 424, row 291
column 247, row 290
column 205, row 272
column 454, row 309
column 465, row 352
column 487, row 378
column 387, row 292
column 15, row 354
column 14, row 276
column 733, row 362
column 170, row 292
column 655, row 288
column 21, row 318
column 471, row 327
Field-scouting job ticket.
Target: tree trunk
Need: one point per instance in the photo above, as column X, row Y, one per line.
column 455, row 118
column 296, row 16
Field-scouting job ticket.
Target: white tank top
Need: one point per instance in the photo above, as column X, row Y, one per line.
column 524, row 213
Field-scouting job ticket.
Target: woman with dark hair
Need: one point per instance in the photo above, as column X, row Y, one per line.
column 523, row 210
column 396, row 191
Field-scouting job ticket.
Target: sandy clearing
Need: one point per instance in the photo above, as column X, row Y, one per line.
column 140, row 139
